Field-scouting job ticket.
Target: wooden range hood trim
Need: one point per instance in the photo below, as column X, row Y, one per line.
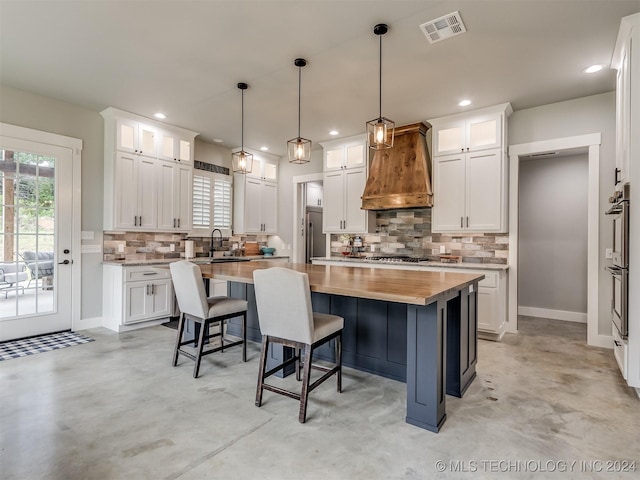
column 400, row 177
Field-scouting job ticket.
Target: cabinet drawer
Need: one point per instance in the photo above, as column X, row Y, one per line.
column 133, row 274
column 490, row 280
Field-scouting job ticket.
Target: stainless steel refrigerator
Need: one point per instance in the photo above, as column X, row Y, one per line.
column 316, row 240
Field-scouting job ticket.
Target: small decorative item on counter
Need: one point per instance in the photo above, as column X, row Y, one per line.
column 268, row 251
column 450, row 258
column 357, row 242
column 345, row 238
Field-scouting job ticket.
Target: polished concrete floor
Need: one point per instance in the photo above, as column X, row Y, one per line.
column 116, row 409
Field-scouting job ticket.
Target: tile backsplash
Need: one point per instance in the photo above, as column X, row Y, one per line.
column 155, row 246
column 408, row 232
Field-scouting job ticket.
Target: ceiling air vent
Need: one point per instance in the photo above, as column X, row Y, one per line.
column 444, row 27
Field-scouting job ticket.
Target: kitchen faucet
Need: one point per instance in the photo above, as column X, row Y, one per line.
column 212, row 248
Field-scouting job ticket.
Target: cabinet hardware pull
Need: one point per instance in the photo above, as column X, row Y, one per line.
column 618, row 344
column 461, row 225
column 174, row 223
column 616, row 181
column 140, row 220
column 150, row 273
column 467, row 222
column 178, row 223
column 153, row 289
column 147, row 290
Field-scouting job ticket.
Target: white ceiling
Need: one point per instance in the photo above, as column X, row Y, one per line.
column 184, row 58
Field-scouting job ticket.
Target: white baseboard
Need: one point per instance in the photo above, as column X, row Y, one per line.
column 86, row 323
column 604, row 341
column 564, row 315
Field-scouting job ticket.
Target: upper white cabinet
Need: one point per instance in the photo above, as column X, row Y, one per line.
column 345, row 153
column 345, row 176
column 470, row 171
column 255, row 198
column 626, row 94
column 145, row 188
column 173, row 147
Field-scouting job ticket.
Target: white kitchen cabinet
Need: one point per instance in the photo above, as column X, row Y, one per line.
column 342, row 211
column 470, row 171
column 135, row 295
column 175, row 148
column 135, row 187
column 314, row 195
column 255, row 206
column 140, row 191
column 136, row 137
column 470, row 192
column 174, row 196
column 345, row 153
column 622, row 63
column 255, row 197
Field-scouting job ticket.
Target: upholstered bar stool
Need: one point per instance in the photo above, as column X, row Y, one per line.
column 283, row 298
column 196, row 306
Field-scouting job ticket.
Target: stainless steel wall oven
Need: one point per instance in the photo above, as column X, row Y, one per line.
column 619, row 269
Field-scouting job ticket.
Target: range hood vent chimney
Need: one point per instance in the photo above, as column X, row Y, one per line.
column 400, row 177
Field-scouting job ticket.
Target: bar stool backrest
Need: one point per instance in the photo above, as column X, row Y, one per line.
column 189, row 288
column 283, row 298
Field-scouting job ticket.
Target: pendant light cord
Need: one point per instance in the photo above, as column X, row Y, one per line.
column 380, row 79
column 242, row 125
column 299, row 96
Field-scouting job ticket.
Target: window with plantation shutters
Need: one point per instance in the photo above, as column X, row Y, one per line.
column 201, row 201
column 221, row 203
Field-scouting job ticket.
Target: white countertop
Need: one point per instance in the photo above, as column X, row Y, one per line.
column 364, row 260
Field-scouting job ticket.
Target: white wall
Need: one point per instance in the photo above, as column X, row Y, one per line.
column 212, row 153
column 594, row 114
column 552, row 262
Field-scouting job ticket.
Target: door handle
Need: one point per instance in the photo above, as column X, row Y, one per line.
column 65, row 262
column 615, row 180
column 618, row 344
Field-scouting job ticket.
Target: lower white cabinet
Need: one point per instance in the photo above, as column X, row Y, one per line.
column 134, row 295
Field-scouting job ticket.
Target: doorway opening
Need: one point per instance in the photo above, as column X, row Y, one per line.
column 592, row 144
column 308, row 239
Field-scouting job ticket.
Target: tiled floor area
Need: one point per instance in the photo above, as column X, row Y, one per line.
column 116, row 409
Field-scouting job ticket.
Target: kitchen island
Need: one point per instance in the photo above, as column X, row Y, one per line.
column 417, row 327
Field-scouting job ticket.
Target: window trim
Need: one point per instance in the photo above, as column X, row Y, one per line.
column 205, row 232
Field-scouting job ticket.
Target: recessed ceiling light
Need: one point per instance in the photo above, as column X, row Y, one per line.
column 464, row 103
column 160, row 115
column 218, row 140
column 593, row 69
column 264, row 149
column 334, row 132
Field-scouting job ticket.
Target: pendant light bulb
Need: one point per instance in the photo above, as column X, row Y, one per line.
column 242, row 161
column 380, row 130
column 299, row 149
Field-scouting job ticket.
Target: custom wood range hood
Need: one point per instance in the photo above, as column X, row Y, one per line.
column 400, row 177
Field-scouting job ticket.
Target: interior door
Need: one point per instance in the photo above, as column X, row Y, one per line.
column 36, row 182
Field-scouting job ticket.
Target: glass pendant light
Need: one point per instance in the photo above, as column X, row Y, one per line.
column 380, row 130
column 242, row 161
column 299, row 149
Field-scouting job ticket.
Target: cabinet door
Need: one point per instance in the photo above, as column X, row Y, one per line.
column 314, row 195
column 184, row 198
column 147, row 193
column 160, row 299
column 334, row 158
column 269, row 206
column 449, row 193
column 147, row 140
column 127, row 135
column 484, row 132
column 488, row 319
column 354, row 183
column 253, row 192
column 333, row 212
column 270, row 171
column 623, row 116
column 449, row 137
column 484, row 191
column 167, row 146
column 168, row 192
column 184, row 150
column 125, row 191
column 355, row 155
column 135, row 302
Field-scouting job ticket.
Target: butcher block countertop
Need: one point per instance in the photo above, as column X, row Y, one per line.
column 401, row 286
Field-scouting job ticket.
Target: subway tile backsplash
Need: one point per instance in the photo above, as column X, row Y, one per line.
column 408, row 232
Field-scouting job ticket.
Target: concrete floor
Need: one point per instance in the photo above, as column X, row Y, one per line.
column 116, row 409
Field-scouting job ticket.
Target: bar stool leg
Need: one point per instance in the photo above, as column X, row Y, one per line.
column 244, row 337
column 304, row 395
column 263, row 364
column 203, row 328
column 179, row 339
column 339, row 361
